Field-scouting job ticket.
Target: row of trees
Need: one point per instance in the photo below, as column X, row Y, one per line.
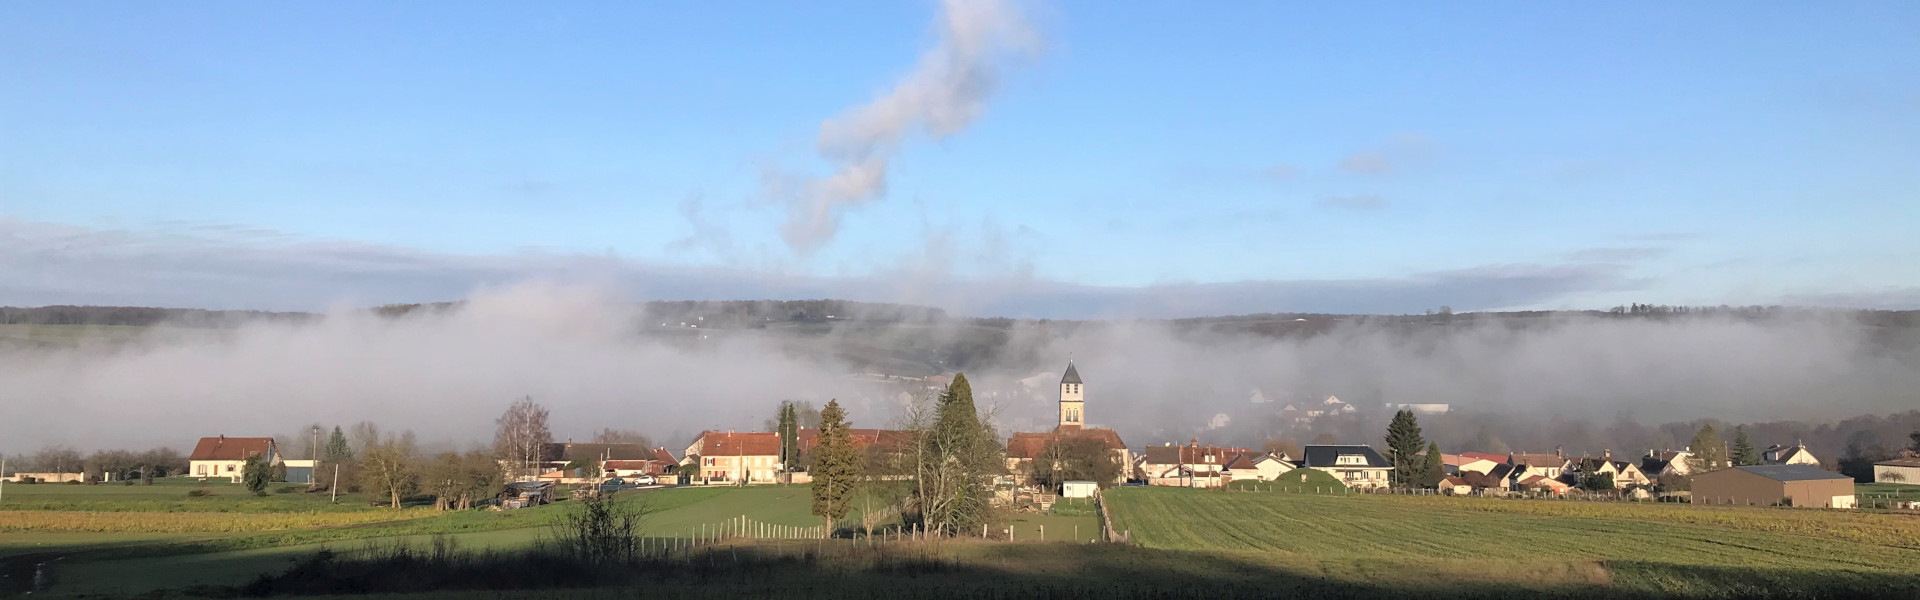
column 101, row 465
column 949, row 461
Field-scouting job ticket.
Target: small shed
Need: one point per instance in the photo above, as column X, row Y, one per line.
column 522, row 494
column 1078, row 489
column 1773, row 485
column 299, row 470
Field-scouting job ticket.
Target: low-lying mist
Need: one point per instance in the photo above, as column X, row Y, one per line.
column 597, row 361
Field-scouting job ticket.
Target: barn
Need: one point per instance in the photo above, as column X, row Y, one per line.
column 1899, row 470
column 1774, row 485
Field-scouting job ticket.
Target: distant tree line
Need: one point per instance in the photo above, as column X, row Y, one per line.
column 136, row 315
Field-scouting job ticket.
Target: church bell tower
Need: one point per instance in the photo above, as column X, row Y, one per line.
column 1072, row 400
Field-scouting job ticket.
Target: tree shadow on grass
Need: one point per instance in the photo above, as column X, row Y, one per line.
column 1064, row 571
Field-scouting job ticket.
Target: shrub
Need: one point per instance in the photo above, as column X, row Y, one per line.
column 196, row 493
column 73, row 482
column 285, row 490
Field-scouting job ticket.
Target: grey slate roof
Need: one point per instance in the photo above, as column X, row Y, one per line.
column 1072, row 376
column 1792, row 472
column 1327, row 456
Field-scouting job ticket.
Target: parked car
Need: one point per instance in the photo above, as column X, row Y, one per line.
column 643, row 480
column 616, row 484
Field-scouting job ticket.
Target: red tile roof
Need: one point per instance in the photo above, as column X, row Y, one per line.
column 714, row 443
column 1540, row 460
column 1499, row 458
column 1030, row 445
column 1456, row 460
column 1167, row 455
column 883, row 439
column 226, row 448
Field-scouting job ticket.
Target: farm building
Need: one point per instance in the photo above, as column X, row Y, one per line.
column 45, row 477
column 1354, row 465
column 717, row 457
column 1899, row 470
column 227, row 457
column 1770, row 485
column 299, row 470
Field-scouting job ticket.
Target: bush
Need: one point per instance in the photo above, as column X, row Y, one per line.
column 127, row 482
column 285, row 490
column 196, row 493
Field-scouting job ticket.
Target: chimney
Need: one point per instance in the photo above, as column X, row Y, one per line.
column 1606, row 454
column 1558, row 452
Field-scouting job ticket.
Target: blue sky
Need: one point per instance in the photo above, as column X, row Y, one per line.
column 1284, row 157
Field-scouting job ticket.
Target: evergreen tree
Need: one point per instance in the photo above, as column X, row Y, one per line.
column 255, row 474
column 836, row 467
column 958, row 459
column 1709, row 451
column 1404, row 442
column 1434, row 469
column 1743, row 452
column 789, row 430
column 1915, row 445
column 337, row 448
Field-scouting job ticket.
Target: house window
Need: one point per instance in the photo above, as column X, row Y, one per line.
column 229, row 468
column 203, row 469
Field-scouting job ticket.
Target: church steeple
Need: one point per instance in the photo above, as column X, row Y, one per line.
column 1072, row 399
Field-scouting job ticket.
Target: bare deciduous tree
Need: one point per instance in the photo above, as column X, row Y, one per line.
column 523, row 435
column 391, row 467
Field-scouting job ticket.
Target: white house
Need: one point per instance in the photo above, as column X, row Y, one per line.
column 1354, row 465
column 1796, row 454
column 227, row 457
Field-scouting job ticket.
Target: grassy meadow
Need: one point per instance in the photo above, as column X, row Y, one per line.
column 1650, row 548
column 1187, row 543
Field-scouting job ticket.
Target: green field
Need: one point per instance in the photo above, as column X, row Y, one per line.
column 174, row 494
column 1187, row 543
column 1654, row 548
column 134, row 563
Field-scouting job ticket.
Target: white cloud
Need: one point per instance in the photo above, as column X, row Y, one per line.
column 946, row 91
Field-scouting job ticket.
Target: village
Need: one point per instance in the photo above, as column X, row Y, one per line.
column 1075, row 460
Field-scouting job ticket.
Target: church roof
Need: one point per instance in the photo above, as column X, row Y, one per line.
column 1072, row 376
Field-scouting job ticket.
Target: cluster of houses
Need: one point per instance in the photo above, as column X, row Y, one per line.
column 1790, row 475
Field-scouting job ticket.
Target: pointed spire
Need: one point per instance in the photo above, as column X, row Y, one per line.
column 1072, row 376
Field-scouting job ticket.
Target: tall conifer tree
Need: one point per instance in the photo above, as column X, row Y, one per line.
column 1744, row 453
column 1404, row 443
column 836, row 467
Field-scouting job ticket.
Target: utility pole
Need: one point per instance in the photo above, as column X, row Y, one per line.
column 335, row 488
column 313, row 473
column 3, row 479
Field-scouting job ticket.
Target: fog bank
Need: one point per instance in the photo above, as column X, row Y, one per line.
column 596, row 360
